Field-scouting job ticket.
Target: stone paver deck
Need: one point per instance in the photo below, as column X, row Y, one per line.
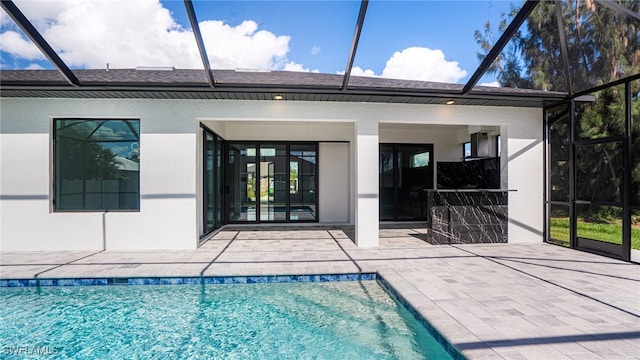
column 491, row 301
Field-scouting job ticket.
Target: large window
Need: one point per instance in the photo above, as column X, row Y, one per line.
column 96, row 164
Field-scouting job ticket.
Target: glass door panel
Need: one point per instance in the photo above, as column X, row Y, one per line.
column 209, row 198
column 415, row 173
column 405, row 170
column 213, row 180
column 273, row 182
column 219, row 183
column 242, row 175
column 387, row 188
column 302, row 182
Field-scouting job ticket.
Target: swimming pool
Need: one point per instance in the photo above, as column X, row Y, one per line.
column 334, row 320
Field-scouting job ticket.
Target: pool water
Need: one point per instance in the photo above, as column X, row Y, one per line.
column 340, row 320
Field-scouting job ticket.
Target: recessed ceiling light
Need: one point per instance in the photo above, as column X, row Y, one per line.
column 450, row 102
column 278, row 97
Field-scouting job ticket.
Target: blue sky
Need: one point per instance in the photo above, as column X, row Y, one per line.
column 425, row 40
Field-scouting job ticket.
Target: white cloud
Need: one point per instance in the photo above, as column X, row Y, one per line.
column 17, row 45
column 243, row 46
column 42, row 12
column 358, row 71
column 128, row 34
column 418, row 63
column 293, row 66
column 491, row 84
column 123, row 33
column 34, row 66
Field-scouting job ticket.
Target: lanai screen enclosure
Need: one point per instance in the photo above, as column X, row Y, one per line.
column 125, row 148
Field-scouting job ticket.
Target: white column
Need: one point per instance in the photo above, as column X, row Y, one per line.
column 366, row 172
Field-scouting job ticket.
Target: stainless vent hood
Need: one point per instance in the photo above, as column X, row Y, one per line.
column 481, row 146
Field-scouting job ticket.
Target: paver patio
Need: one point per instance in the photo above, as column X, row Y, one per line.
column 512, row 301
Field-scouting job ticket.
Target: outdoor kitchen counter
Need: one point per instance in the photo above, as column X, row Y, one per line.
column 467, row 216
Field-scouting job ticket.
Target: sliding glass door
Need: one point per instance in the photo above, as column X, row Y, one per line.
column 251, row 182
column 405, row 170
column 272, row 182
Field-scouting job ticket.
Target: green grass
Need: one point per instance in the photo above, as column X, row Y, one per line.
column 611, row 233
column 559, row 232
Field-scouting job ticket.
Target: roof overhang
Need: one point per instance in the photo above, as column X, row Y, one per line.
column 233, row 85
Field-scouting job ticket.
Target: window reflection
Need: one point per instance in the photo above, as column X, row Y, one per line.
column 273, row 182
column 97, row 164
column 302, row 182
column 241, row 173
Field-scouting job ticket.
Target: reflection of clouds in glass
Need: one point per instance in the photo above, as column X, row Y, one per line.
column 118, row 150
column 126, row 164
column 79, row 129
column 112, row 130
column 126, row 150
column 95, row 130
column 105, row 133
column 309, row 156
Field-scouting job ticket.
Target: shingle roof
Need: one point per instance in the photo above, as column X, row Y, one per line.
column 255, row 85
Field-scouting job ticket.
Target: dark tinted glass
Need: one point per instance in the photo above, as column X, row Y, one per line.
column 97, row 164
column 243, row 182
column 302, row 182
column 386, row 165
column 415, row 173
column 209, row 176
column 273, row 182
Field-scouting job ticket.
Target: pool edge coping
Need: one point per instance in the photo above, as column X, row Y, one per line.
column 183, row 280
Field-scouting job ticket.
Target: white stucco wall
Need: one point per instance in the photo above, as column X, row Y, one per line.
column 170, row 180
column 334, row 174
column 167, row 180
